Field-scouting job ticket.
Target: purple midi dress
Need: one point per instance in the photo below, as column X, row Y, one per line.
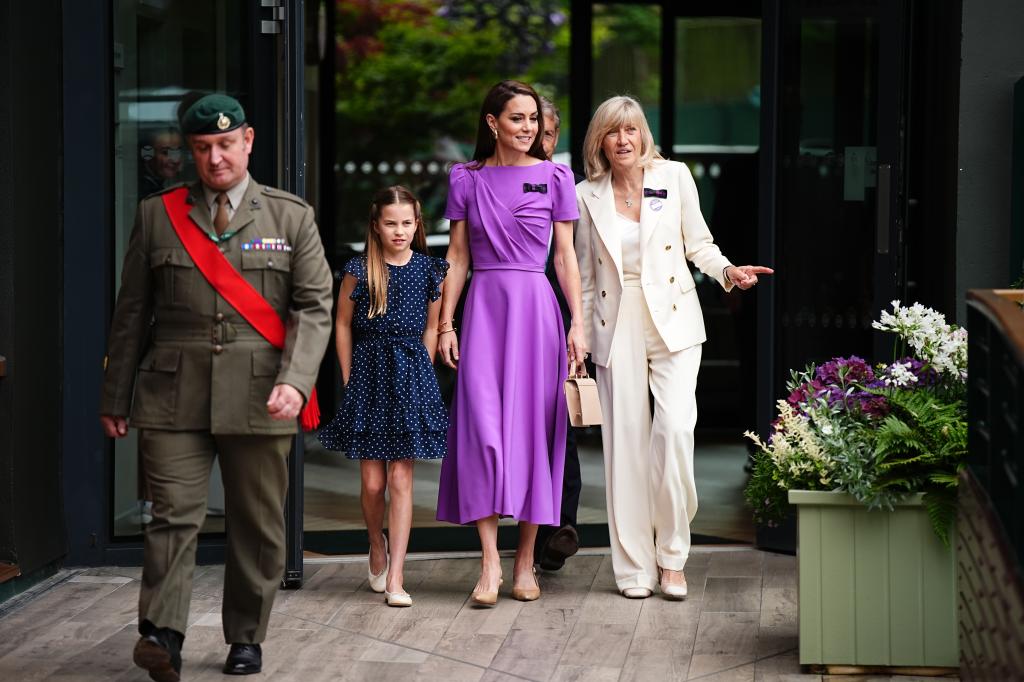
column 506, row 432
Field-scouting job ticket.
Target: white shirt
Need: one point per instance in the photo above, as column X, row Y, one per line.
column 629, row 231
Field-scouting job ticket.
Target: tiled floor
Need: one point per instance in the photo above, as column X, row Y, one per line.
column 739, row 623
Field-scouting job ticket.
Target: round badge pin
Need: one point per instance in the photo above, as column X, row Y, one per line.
column 223, row 122
column 656, row 204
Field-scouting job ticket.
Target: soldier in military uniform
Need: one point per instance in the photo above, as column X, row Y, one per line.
column 187, row 369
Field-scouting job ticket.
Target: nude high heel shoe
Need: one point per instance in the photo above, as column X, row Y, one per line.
column 379, row 581
column 486, row 598
column 527, row 593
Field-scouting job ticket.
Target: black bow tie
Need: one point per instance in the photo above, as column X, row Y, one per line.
column 540, row 189
column 660, row 193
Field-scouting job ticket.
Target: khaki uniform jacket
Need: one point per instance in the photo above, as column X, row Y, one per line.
column 179, row 357
column 672, row 232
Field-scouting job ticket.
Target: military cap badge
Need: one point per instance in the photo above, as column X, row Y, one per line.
column 223, row 122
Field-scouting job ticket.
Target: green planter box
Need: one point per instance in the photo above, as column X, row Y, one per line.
column 877, row 588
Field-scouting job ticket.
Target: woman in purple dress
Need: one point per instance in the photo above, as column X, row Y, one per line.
column 506, row 436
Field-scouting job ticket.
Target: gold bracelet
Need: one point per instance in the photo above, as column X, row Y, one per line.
column 445, row 331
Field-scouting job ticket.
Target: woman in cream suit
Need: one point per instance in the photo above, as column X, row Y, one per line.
column 640, row 223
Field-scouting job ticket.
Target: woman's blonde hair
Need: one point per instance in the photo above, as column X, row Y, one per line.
column 376, row 267
column 613, row 113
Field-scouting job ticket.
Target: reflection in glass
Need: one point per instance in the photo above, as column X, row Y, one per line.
column 162, row 52
column 627, row 57
column 826, row 191
column 410, row 81
column 411, row 77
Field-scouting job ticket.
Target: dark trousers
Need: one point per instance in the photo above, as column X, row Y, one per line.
column 572, row 485
column 255, row 473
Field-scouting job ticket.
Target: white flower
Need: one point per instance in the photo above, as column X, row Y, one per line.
column 899, row 375
column 941, row 345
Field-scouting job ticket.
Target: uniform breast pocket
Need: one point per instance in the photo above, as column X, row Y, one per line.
column 270, row 273
column 173, row 276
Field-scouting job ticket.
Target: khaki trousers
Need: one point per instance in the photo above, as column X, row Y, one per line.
column 650, row 488
column 255, row 474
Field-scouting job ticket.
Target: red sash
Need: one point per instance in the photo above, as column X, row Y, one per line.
column 230, row 284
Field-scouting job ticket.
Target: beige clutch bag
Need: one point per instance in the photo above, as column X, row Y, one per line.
column 581, row 396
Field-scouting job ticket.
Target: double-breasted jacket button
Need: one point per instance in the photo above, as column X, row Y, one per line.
column 602, row 323
column 603, row 293
column 673, row 306
column 270, row 263
column 599, row 261
column 168, row 258
column 218, row 349
column 671, row 279
column 668, row 247
column 219, row 317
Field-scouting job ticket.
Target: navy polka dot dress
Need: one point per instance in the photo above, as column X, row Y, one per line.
column 392, row 406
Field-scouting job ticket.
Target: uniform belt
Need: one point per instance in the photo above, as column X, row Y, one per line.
column 218, row 332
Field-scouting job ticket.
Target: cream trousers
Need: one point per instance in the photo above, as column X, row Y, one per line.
column 651, row 493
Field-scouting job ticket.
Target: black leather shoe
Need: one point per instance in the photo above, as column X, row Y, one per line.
column 159, row 653
column 244, row 659
column 562, row 544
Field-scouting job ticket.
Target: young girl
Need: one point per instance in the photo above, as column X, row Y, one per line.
column 391, row 414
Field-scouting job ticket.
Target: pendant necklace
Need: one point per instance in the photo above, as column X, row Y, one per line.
column 629, row 203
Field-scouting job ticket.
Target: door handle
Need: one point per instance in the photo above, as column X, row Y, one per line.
column 882, row 210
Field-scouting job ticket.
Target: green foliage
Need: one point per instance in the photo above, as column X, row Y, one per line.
column 877, row 435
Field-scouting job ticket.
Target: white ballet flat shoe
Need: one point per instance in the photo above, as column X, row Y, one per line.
column 397, row 598
column 379, row 581
column 636, row 593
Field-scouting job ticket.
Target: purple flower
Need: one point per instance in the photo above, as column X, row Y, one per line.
column 845, row 371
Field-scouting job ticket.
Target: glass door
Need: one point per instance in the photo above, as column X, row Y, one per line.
column 840, row 201
column 696, row 70
column 166, row 52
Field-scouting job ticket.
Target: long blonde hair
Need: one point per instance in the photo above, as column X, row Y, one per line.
column 376, row 268
column 613, row 113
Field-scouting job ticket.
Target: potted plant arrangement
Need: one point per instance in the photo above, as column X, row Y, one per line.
column 869, row 456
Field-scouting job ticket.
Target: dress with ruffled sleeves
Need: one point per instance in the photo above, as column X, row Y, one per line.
column 392, row 406
column 506, row 442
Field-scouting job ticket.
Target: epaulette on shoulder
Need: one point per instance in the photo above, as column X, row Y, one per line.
column 281, row 194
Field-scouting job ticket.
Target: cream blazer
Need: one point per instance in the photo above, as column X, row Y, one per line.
column 672, row 231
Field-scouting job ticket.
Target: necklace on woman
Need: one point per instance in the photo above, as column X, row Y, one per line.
column 627, row 194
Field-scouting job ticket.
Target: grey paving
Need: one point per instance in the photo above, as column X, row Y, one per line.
column 739, row 623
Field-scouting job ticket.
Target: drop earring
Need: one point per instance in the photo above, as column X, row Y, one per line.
column 495, row 131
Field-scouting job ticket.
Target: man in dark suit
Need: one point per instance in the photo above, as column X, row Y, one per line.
column 556, row 544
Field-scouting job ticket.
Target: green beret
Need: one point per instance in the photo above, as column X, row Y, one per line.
column 212, row 114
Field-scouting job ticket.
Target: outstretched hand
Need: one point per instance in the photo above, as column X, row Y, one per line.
column 745, row 276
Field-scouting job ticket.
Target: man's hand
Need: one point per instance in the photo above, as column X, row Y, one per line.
column 114, row 427
column 285, row 402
